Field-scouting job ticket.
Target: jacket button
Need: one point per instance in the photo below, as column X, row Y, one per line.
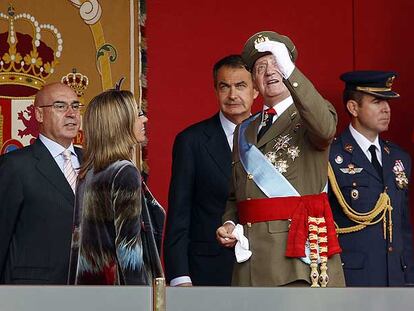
column 390, row 249
column 250, row 176
column 295, row 84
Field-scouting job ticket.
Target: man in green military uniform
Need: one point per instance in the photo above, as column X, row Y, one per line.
column 280, row 161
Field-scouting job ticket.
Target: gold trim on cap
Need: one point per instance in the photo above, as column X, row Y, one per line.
column 373, row 89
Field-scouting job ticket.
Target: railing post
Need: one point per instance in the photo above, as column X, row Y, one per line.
column 158, row 294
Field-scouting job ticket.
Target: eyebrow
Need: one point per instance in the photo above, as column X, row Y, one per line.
column 63, row 102
column 222, row 83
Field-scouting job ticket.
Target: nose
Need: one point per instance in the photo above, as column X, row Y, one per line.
column 144, row 119
column 270, row 69
column 233, row 92
column 386, row 106
column 71, row 111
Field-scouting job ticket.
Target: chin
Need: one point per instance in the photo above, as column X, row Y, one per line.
column 143, row 141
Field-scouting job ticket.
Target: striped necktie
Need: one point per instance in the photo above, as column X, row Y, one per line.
column 68, row 169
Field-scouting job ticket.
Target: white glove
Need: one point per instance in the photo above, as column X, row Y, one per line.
column 281, row 53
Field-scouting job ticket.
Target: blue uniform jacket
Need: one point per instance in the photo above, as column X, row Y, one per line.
column 369, row 259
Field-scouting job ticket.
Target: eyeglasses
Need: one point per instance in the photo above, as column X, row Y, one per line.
column 64, row 106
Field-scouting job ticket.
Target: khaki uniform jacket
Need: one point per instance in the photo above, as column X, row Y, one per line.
column 310, row 124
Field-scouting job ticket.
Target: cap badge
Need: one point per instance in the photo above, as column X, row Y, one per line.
column 339, row 159
column 260, row 39
column 351, row 169
column 390, row 81
column 400, row 177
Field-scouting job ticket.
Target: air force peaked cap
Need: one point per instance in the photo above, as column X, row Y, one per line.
column 375, row 83
column 250, row 55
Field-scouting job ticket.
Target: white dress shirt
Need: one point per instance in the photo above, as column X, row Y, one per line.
column 364, row 143
column 279, row 108
column 56, row 150
column 228, row 128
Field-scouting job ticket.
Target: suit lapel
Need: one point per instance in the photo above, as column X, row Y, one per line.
column 279, row 126
column 387, row 163
column 48, row 167
column 358, row 157
column 217, row 146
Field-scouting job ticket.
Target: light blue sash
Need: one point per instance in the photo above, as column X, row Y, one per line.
column 265, row 175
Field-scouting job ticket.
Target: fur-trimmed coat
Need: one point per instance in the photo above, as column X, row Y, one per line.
column 106, row 239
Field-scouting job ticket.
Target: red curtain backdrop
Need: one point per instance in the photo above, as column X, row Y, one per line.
column 185, row 39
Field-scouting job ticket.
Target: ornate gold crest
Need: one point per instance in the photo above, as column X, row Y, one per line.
column 260, row 39
column 390, row 81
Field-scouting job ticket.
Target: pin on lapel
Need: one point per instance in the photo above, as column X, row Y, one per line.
column 349, row 148
column 339, row 159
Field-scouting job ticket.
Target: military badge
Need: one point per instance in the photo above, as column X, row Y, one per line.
column 349, row 148
column 281, row 166
column 264, row 119
column 282, row 142
column 339, row 159
column 351, row 169
column 387, row 149
column 271, row 155
column 400, row 177
column 293, row 152
column 354, row 194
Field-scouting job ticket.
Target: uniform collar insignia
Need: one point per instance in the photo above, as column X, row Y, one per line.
column 349, row 148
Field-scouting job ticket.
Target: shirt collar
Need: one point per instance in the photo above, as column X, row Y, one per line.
column 281, row 106
column 227, row 125
column 362, row 141
column 54, row 148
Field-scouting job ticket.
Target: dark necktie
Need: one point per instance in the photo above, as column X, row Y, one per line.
column 268, row 121
column 374, row 160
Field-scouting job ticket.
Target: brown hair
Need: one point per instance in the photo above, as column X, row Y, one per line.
column 109, row 122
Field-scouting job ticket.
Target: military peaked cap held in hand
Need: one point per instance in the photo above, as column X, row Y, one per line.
column 375, row 83
column 250, row 55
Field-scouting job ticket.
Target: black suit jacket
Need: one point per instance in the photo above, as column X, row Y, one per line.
column 198, row 193
column 36, row 206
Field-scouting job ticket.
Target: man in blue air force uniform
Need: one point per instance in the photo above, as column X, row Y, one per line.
column 369, row 181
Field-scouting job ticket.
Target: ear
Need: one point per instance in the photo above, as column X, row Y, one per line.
column 352, row 107
column 39, row 114
column 255, row 92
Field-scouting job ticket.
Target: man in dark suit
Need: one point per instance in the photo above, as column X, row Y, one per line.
column 37, row 196
column 369, row 181
column 200, row 178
